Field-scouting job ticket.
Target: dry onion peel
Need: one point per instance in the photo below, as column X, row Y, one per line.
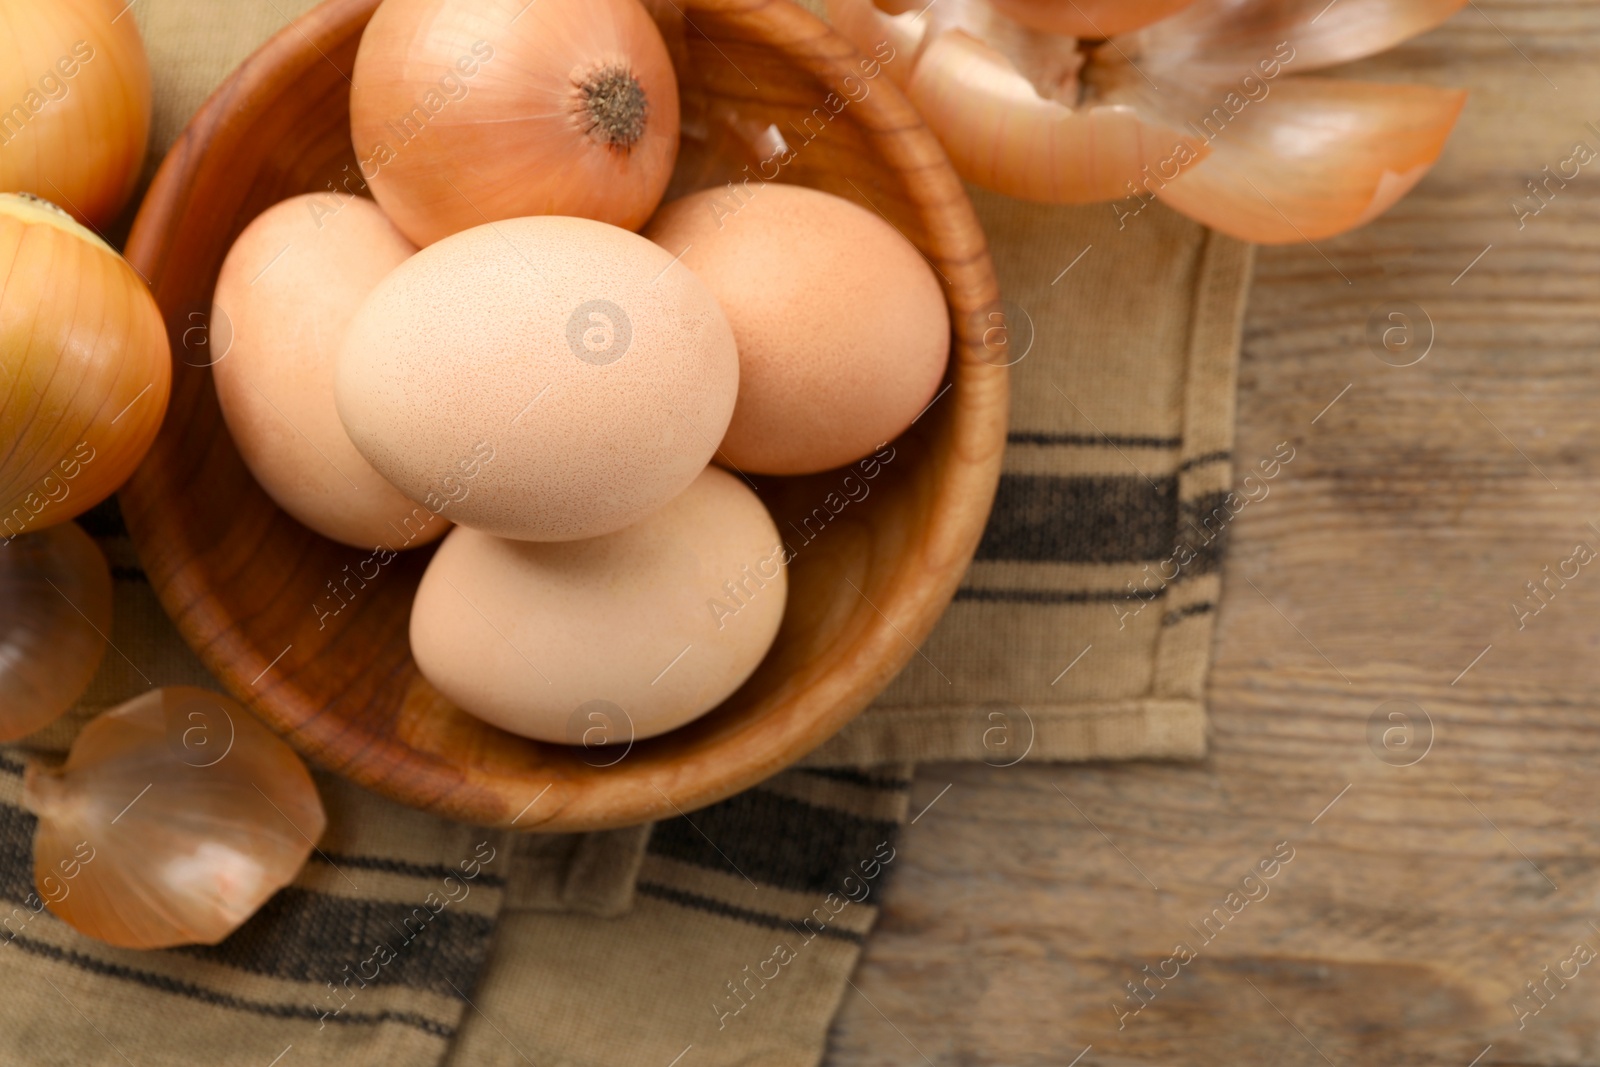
column 1000, row 131
column 867, row 27
column 1022, row 112
column 1089, row 18
column 55, row 610
column 1003, row 136
column 74, row 104
column 85, row 368
column 466, row 112
column 1227, row 38
column 1315, row 158
column 194, row 811
column 1049, row 61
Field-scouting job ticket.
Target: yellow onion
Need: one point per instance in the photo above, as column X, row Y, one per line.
column 1203, row 109
column 74, row 104
column 84, row 367
column 55, row 612
column 195, row 814
column 465, row 112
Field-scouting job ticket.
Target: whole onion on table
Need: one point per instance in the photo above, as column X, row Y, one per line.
column 75, row 94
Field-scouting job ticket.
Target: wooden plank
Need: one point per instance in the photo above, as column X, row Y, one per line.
column 1416, row 908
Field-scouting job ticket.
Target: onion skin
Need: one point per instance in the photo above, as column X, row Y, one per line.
column 1190, row 108
column 999, row 129
column 1003, row 136
column 867, row 26
column 176, row 816
column 85, row 368
column 465, row 112
column 1088, row 18
column 1222, row 38
column 55, row 610
column 1318, row 157
column 78, row 72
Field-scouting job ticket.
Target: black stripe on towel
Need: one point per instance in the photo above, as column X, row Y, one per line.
column 773, row 839
column 1099, row 519
column 16, row 854
column 1090, row 440
column 163, row 984
column 686, row 899
column 859, row 778
column 305, row 936
column 1203, row 525
column 1177, row 615
column 1203, row 459
column 1052, row 596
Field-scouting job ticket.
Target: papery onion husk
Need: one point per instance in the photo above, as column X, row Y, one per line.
column 55, row 612
column 1002, row 135
column 1316, row 157
column 74, row 104
column 1089, row 18
column 1203, row 109
column 465, row 112
column 1229, row 38
column 195, row 814
column 85, row 368
column 1010, row 119
column 869, row 28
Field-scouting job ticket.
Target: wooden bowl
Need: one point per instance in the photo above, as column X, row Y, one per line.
column 239, row 576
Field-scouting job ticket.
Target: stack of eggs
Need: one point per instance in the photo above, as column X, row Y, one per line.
column 491, row 350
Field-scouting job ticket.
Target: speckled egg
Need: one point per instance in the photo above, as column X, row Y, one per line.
column 597, row 373
column 287, row 291
column 841, row 323
column 612, row 639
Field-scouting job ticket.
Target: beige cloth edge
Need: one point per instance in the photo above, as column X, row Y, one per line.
column 590, row 873
column 1149, row 728
column 1169, row 722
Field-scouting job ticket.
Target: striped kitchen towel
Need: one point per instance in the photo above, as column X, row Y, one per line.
column 304, row 977
column 304, row 972
column 747, row 919
column 726, row 936
column 561, row 949
column 577, row 948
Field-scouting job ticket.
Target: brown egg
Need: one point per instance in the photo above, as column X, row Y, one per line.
column 584, row 374
column 286, row 294
column 841, row 324
column 611, row 639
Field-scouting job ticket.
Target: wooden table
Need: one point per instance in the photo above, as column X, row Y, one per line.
column 1420, row 899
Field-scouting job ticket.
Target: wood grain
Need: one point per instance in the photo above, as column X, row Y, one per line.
column 1420, row 903
column 240, row 578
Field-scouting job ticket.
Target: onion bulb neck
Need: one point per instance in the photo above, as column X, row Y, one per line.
column 612, row 106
